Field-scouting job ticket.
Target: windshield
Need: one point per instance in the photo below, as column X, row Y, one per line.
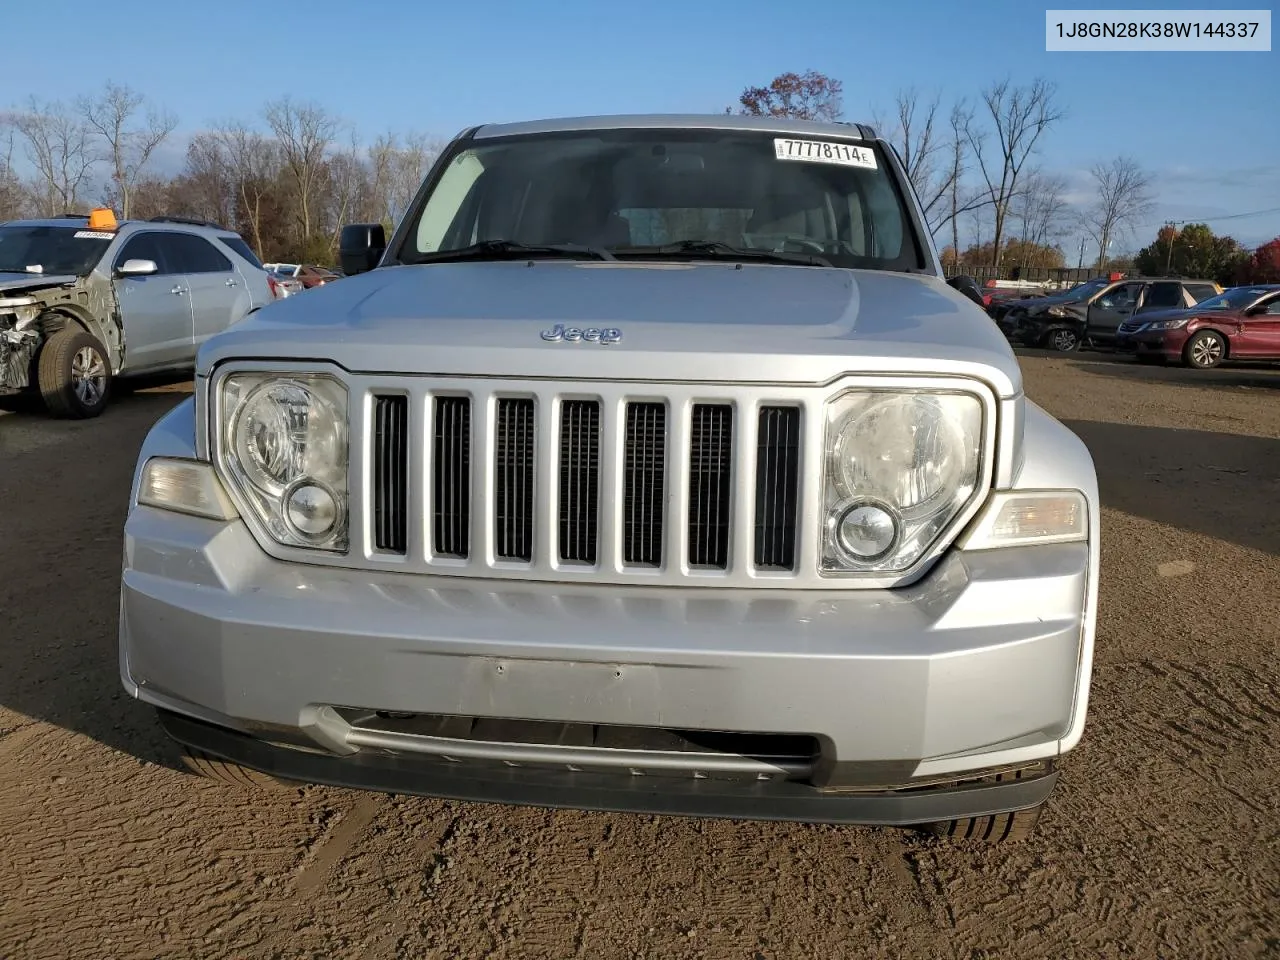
column 1084, row 291
column 627, row 190
column 51, row 250
column 1235, row 299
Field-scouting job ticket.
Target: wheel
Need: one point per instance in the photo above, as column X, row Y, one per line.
column 1205, row 349
column 224, row 771
column 73, row 374
column 1000, row 828
column 1063, row 340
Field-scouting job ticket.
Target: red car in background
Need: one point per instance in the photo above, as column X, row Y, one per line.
column 1242, row 323
column 313, row 276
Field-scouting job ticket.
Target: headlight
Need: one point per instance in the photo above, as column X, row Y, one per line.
column 900, row 467
column 1167, row 324
column 285, row 447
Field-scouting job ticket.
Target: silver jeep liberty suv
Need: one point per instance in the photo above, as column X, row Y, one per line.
column 651, row 465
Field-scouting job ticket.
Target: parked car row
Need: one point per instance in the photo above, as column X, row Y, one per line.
column 1156, row 319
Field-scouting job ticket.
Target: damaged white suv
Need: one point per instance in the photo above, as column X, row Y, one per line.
column 654, row 467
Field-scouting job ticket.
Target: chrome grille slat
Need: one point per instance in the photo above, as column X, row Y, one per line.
column 452, row 476
column 579, row 480
column 513, row 456
column 710, row 484
column 777, row 470
column 390, row 473
column 644, row 479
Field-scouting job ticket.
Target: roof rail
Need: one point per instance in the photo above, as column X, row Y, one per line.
column 865, row 130
column 189, row 221
column 71, row 216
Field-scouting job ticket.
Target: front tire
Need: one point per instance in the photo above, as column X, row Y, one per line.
column 1205, row 350
column 74, row 375
column 224, row 771
column 998, row 828
column 1063, row 340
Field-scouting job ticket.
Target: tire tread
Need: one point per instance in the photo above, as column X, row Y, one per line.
column 215, row 768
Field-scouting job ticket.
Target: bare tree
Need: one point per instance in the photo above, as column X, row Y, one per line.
column 398, row 170
column 208, row 186
column 254, row 162
column 12, row 195
column 1039, row 209
column 923, row 151
column 305, row 132
column 58, row 145
column 961, row 118
column 1123, row 197
column 1019, row 117
column 348, row 180
column 126, row 147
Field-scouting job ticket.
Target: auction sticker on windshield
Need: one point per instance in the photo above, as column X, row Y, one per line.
column 818, row 151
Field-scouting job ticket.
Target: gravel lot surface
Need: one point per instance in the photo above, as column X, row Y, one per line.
column 1163, row 839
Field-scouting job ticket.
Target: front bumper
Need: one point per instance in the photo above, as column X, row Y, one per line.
column 303, row 670
column 1154, row 343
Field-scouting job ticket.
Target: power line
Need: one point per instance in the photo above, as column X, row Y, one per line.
column 1228, row 216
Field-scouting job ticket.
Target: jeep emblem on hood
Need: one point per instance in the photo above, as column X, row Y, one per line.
column 560, row 333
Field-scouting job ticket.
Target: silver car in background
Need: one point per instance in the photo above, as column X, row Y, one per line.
column 651, row 465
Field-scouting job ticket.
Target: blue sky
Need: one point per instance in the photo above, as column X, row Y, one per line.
column 1204, row 123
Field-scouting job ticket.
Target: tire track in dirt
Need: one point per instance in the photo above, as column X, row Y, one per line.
column 335, row 842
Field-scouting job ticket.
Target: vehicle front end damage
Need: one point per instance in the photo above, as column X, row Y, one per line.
column 20, row 339
column 35, row 310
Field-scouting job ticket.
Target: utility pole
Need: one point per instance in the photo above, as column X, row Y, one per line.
column 1168, row 260
column 1080, row 265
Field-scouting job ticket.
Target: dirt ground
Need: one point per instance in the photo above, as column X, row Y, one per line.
column 1163, row 839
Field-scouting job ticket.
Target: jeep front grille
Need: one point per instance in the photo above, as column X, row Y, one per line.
column 493, row 463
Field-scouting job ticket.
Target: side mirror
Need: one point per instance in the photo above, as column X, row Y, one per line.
column 137, row 268
column 968, row 286
column 361, row 246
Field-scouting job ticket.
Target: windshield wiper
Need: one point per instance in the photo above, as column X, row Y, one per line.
column 511, row 250
column 723, row 251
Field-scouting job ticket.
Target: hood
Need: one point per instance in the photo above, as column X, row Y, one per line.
column 681, row 321
column 10, row 282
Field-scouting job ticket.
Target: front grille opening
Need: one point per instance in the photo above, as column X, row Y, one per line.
column 452, row 476
column 391, row 473
column 513, row 463
column 644, row 453
column 777, row 491
column 579, row 466
column 710, row 484
column 795, row 748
